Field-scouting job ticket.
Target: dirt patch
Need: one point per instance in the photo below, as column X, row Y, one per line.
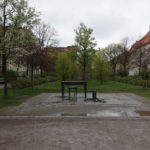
column 143, row 113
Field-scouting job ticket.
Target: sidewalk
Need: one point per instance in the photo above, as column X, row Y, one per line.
column 74, row 134
column 46, row 122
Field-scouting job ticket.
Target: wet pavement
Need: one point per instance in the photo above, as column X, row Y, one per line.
column 116, row 105
column 47, row 122
column 46, row 133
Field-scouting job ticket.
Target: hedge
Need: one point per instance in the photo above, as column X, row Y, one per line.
column 26, row 82
column 133, row 80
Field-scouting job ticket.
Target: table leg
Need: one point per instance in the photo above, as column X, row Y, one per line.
column 62, row 90
column 85, row 90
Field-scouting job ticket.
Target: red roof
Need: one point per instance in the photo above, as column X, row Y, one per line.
column 145, row 40
column 63, row 49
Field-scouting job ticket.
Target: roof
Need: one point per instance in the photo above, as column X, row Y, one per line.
column 144, row 41
column 63, row 49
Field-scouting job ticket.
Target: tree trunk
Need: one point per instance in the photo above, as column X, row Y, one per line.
column 27, row 71
column 4, row 72
column 114, row 67
column 32, row 69
column 83, row 77
column 124, row 68
column 32, row 77
column 41, row 71
column 4, row 58
column 84, row 67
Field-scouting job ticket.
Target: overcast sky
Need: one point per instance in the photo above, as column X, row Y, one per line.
column 111, row 20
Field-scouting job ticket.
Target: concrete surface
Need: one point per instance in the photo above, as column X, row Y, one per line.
column 74, row 134
column 117, row 105
column 39, row 123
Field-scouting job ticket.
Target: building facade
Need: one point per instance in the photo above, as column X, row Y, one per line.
column 140, row 55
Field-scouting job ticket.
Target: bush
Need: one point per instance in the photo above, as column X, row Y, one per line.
column 48, row 74
column 12, row 75
column 63, row 67
column 134, row 80
column 122, row 73
column 145, row 74
column 26, row 82
column 36, row 76
column 21, row 83
column 102, row 69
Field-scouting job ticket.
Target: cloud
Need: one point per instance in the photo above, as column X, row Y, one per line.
column 111, row 20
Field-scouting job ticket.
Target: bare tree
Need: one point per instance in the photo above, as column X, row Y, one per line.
column 113, row 53
column 46, row 36
column 124, row 58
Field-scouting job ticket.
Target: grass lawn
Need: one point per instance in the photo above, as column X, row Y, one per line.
column 16, row 96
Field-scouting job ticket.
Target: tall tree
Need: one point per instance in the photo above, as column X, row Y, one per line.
column 16, row 17
column 124, row 58
column 63, row 67
column 46, row 36
column 113, row 53
column 102, row 68
column 85, row 44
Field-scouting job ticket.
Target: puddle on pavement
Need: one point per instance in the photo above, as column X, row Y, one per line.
column 114, row 113
column 106, row 113
column 143, row 113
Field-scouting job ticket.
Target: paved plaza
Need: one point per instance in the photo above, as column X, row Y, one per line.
column 116, row 105
column 49, row 122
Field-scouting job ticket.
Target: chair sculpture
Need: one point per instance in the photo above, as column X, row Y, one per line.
column 74, row 89
column 94, row 97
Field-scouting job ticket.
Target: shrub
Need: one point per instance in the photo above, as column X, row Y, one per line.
column 36, row 76
column 63, row 67
column 48, row 74
column 26, row 82
column 12, row 75
column 102, row 69
column 21, row 83
column 134, row 80
column 122, row 73
column 145, row 74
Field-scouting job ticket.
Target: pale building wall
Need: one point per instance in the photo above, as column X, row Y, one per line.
column 134, row 62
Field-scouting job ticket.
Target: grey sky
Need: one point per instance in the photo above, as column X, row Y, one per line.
column 111, row 20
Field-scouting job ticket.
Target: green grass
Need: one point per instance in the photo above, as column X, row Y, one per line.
column 16, row 96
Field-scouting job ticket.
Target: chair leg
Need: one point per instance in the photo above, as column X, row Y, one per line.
column 75, row 93
column 69, row 92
